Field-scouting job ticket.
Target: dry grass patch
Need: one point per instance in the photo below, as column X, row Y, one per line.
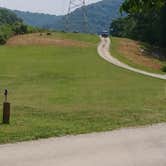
column 43, row 40
column 133, row 51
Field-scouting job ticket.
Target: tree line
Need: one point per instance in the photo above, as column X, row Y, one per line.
column 145, row 21
column 11, row 25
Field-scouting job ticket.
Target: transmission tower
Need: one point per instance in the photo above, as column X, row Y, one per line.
column 70, row 22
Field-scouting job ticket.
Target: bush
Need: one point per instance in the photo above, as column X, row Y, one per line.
column 5, row 33
column 2, row 39
column 11, row 25
column 31, row 29
column 164, row 69
column 49, row 33
column 19, row 28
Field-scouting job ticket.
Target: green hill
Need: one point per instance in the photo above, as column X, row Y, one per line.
column 66, row 88
column 10, row 25
column 38, row 19
column 8, row 17
column 100, row 15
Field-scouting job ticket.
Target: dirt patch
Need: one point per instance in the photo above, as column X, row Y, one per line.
column 132, row 50
column 43, row 40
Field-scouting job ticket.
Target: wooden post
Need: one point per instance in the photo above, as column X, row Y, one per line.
column 6, row 113
column 6, row 109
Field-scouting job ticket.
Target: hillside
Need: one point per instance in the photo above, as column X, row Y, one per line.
column 100, row 15
column 10, row 25
column 145, row 21
column 58, row 85
column 8, row 17
column 138, row 55
column 38, row 19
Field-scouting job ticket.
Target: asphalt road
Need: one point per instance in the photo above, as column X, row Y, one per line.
column 104, row 52
column 125, row 147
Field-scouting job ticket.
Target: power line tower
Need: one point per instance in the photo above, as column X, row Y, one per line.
column 71, row 24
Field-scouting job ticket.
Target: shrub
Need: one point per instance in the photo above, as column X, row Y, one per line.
column 164, row 69
column 19, row 28
column 2, row 39
column 49, row 33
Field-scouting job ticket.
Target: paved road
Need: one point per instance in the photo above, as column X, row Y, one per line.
column 103, row 50
column 125, row 147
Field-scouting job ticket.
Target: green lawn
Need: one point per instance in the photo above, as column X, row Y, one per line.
column 55, row 91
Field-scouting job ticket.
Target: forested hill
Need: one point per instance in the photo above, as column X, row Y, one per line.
column 38, row 19
column 8, row 17
column 100, row 15
column 10, row 25
column 146, row 21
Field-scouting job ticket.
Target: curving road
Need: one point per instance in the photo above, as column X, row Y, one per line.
column 125, row 147
column 103, row 51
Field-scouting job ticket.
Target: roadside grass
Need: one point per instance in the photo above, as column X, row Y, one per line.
column 136, row 54
column 57, row 91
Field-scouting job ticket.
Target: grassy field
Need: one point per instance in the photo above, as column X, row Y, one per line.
column 56, row 91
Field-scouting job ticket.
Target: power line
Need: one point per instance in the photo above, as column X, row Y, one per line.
column 77, row 25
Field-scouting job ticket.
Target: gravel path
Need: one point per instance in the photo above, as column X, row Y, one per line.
column 126, row 147
column 103, row 50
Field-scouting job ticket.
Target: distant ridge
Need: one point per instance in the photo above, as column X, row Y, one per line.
column 38, row 19
column 100, row 15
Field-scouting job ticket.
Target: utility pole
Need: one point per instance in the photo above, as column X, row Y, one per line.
column 83, row 22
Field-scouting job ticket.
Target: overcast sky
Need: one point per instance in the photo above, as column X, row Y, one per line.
column 57, row 7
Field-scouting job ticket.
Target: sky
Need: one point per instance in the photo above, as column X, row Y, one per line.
column 57, row 7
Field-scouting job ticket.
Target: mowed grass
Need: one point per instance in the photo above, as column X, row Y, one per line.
column 56, row 91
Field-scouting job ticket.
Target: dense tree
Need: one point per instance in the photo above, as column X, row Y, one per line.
column 19, row 28
column 145, row 21
column 163, row 25
column 10, row 25
column 141, row 6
